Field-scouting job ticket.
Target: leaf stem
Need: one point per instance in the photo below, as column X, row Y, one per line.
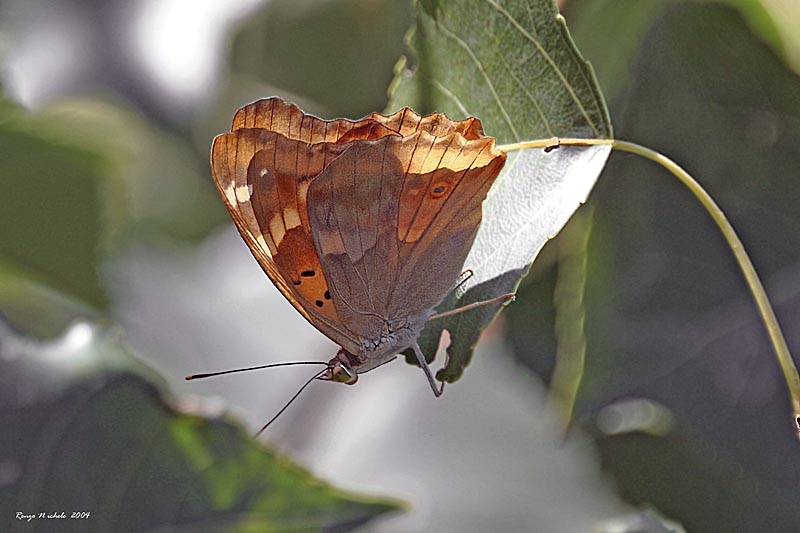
column 554, row 142
column 748, row 270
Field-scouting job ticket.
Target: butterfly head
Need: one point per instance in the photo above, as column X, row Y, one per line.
column 342, row 374
column 342, row 368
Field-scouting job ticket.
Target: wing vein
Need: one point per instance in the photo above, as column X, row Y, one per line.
column 430, row 183
column 376, row 247
column 364, row 282
column 448, row 200
column 405, row 178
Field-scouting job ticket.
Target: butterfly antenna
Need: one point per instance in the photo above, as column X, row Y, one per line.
column 293, row 363
column 279, row 413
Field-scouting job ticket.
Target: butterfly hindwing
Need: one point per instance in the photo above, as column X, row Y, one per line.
column 353, row 211
column 442, row 215
column 389, row 213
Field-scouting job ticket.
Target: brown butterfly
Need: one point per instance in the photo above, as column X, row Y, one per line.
column 364, row 226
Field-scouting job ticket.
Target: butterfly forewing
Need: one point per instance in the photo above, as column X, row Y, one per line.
column 277, row 115
column 353, row 211
column 278, row 178
column 260, row 188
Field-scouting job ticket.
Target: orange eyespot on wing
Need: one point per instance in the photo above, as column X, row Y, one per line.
column 433, row 174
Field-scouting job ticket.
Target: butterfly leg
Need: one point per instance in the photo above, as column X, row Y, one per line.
column 437, row 391
column 504, row 298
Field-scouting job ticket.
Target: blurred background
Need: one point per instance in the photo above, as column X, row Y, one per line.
column 111, row 223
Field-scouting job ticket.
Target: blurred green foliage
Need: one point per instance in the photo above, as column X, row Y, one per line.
column 336, row 57
column 92, row 433
column 52, row 207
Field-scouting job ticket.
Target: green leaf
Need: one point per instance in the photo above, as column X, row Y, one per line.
column 513, row 65
column 92, row 433
column 37, row 310
column 52, row 206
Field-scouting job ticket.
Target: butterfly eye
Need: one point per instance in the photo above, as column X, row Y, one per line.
column 343, row 374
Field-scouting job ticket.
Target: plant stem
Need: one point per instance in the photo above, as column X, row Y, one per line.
column 749, row 271
column 553, row 143
column 753, row 282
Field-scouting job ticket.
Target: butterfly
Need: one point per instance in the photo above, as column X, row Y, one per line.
column 364, row 226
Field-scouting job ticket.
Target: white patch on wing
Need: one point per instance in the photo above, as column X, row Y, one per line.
column 243, row 193
column 230, row 195
column 263, row 244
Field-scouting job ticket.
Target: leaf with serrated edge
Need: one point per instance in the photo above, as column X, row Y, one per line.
column 514, row 66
